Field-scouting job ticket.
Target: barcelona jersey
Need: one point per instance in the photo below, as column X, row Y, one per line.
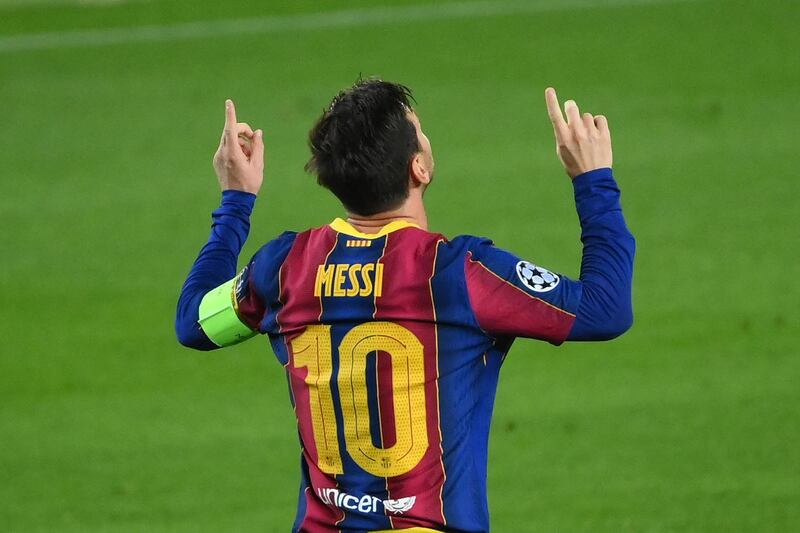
column 392, row 343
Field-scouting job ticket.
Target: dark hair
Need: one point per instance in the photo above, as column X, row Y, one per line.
column 362, row 144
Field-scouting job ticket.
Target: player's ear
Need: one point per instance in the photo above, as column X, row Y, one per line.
column 418, row 172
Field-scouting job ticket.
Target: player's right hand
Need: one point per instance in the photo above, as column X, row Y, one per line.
column 239, row 161
column 583, row 143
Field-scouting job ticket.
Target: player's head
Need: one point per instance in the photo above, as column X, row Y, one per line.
column 368, row 148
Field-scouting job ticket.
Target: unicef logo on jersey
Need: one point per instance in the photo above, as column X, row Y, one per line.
column 366, row 503
column 536, row 278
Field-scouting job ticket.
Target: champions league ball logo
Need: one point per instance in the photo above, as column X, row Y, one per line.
column 536, row 278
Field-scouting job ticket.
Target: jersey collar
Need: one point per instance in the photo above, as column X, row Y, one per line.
column 343, row 226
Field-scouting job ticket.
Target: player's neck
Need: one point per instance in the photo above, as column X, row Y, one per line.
column 412, row 211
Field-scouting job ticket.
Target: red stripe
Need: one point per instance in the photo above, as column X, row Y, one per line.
column 504, row 309
column 408, row 265
column 250, row 309
column 320, row 517
column 300, row 309
column 300, row 306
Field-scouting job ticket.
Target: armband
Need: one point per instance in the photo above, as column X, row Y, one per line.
column 218, row 318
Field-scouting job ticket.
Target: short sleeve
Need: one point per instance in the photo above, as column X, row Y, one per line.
column 517, row 298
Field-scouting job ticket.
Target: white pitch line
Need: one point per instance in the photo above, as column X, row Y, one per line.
column 312, row 21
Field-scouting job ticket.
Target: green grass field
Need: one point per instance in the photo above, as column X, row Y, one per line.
column 690, row 422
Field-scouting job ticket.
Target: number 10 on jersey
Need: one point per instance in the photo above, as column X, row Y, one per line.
column 312, row 350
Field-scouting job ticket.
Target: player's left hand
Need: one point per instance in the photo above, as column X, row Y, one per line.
column 239, row 160
column 583, row 142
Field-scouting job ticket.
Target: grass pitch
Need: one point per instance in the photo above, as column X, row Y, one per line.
column 690, row 422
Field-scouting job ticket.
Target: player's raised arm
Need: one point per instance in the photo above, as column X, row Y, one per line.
column 206, row 318
column 583, row 144
column 513, row 297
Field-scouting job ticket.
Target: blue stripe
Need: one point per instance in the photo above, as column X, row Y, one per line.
column 266, row 266
column 301, row 498
column 343, row 313
column 373, row 401
column 269, row 260
column 466, row 393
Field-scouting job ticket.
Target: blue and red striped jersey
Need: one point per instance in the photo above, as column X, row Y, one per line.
column 393, row 344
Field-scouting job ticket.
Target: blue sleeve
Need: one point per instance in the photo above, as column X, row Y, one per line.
column 215, row 265
column 605, row 309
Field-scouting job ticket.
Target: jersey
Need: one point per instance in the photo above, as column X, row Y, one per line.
column 392, row 344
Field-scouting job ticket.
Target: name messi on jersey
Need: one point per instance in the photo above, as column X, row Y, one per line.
column 346, row 279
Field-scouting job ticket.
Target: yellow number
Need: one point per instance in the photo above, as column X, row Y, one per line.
column 312, row 349
column 408, row 379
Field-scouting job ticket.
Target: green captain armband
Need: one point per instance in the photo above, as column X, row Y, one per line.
column 218, row 318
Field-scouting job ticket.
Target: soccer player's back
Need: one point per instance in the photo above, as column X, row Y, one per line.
column 355, row 325
column 392, row 336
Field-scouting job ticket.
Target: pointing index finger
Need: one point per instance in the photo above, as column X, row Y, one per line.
column 553, row 108
column 560, row 128
column 230, row 134
column 230, row 113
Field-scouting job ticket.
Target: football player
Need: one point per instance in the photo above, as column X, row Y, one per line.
column 393, row 335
